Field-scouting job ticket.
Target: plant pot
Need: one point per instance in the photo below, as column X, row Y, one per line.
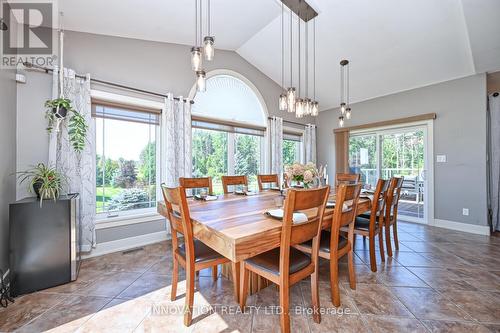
column 61, row 113
column 37, row 186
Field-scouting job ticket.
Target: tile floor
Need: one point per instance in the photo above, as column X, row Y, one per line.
column 439, row 281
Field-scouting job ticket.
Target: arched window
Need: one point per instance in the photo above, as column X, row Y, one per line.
column 229, row 124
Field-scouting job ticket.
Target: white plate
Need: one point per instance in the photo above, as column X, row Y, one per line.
column 278, row 214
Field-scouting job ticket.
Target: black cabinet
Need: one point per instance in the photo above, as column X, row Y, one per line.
column 44, row 243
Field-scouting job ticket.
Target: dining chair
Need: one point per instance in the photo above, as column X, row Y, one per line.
column 268, row 179
column 333, row 245
column 347, row 178
column 391, row 213
column 193, row 255
column 371, row 225
column 233, row 180
column 205, row 182
column 285, row 265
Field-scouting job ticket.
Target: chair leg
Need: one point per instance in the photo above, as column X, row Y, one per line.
column 352, row 272
column 315, row 296
column 284, row 305
column 388, row 240
column 395, row 232
column 245, row 274
column 334, row 280
column 188, row 307
column 215, row 272
column 235, row 270
column 373, row 259
column 175, row 278
column 381, row 244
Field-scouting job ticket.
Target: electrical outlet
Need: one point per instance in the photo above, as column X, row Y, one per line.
column 441, row 158
column 465, row 211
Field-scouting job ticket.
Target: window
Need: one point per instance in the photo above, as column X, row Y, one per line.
column 291, row 148
column 125, row 164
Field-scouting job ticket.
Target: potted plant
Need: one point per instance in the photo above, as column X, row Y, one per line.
column 57, row 109
column 45, row 181
column 302, row 174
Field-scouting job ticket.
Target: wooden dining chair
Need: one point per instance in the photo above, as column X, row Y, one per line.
column 286, row 265
column 347, row 178
column 333, row 245
column 268, row 179
column 233, row 180
column 193, row 255
column 391, row 213
column 205, row 182
column 372, row 225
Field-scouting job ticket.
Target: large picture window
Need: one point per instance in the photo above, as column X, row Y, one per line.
column 291, row 148
column 126, row 159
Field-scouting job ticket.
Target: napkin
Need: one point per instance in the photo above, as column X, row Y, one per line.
column 207, row 198
column 278, row 213
column 331, row 204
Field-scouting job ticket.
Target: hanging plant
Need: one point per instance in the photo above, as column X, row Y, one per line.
column 57, row 110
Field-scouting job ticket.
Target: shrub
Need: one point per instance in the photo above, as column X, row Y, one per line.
column 133, row 198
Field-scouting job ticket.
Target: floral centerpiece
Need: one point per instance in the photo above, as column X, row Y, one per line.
column 304, row 174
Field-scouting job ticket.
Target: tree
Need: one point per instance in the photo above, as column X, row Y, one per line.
column 126, row 175
column 247, row 155
column 110, row 167
column 147, row 164
column 289, row 152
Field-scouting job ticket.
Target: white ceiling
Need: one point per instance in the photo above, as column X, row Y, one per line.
column 392, row 45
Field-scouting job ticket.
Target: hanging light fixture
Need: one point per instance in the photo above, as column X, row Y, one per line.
column 209, row 40
column 201, row 81
column 299, row 102
column 345, row 110
column 283, row 102
column 314, row 103
column 196, row 54
column 291, row 93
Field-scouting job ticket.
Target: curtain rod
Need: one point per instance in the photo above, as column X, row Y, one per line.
column 48, row 70
column 291, row 122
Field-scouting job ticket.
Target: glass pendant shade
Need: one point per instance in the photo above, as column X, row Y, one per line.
column 209, row 47
column 341, row 121
column 283, row 103
column 290, row 96
column 342, row 108
column 299, row 108
column 348, row 113
column 196, row 59
column 200, row 81
column 314, row 108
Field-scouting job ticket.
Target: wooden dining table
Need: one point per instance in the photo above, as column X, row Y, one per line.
column 237, row 227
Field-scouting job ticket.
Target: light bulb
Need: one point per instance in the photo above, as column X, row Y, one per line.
column 290, row 96
column 208, row 47
column 283, row 103
column 341, row 121
column 299, row 108
column 342, row 108
column 196, row 59
column 200, row 81
column 348, row 113
column 315, row 109
column 308, row 106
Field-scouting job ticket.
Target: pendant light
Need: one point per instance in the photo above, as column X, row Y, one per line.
column 201, row 81
column 307, row 100
column 299, row 102
column 283, row 102
column 209, row 41
column 196, row 54
column 314, row 104
column 345, row 110
column 291, row 93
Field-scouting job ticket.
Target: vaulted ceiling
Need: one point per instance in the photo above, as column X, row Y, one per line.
column 392, row 45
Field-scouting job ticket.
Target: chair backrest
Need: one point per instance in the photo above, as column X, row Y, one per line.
column 179, row 217
column 347, row 178
column 378, row 201
column 233, row 180
column 314, row 202
column 205, row 182
column 392, row 197
column 267, row 179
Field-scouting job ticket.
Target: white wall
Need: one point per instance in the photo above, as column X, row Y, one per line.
column 459, row 132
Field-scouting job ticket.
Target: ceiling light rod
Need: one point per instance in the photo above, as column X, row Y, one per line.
column 282, row 102
column 291, row 93
column 299, row 102
column 209, row 40
column 301, row 8
column 315, row 104
column 345, row 110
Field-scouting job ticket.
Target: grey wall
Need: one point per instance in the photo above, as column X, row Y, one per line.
column 8, row 158
column 459, row 132
column 158, row 67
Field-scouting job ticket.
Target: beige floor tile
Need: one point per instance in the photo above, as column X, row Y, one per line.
column 379, row 324
column 377, row 299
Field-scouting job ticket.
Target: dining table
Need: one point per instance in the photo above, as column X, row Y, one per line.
column 237, row 227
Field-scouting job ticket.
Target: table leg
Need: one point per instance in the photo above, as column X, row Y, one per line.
column 235, row 267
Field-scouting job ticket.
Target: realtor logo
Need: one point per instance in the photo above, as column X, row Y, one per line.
column 34, row 35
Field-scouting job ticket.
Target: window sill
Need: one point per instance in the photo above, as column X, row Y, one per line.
column 118, row 221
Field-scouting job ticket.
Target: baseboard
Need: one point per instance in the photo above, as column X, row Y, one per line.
column 127, row 244
column 459, row 226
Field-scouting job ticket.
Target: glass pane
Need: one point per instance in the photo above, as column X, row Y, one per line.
column 363, row 158
column 210, row 156
column 291, row 151
column 125, row 165
column 247, row 158
column 403, row 155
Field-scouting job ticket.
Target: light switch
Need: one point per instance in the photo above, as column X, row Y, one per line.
column 441, row 158
column 465, row 211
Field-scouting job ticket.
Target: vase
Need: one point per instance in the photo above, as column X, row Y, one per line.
column 37, row 185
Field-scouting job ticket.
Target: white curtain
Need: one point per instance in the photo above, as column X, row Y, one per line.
column 79, row 168
column 494, row 108
column 176, row 138
column 310, row 143
column 276, row 136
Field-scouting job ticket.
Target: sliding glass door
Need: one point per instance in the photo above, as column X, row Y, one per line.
column 397, row 152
